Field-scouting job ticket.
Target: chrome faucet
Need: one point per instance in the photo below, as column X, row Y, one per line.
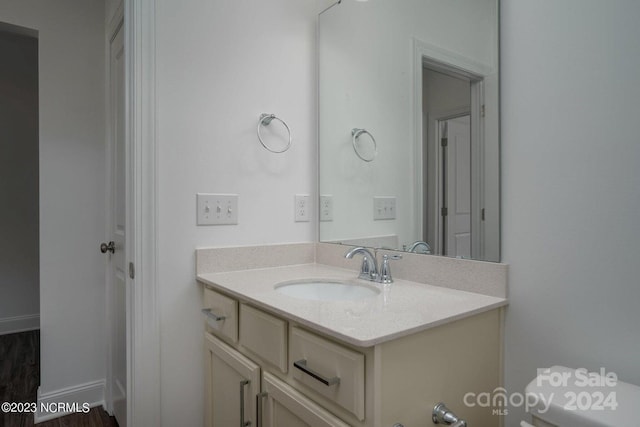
column 443, row 415
column 415, row 245
column 369, row 268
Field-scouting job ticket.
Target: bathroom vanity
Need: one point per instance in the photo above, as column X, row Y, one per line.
column 390, row 357
column 408, row 150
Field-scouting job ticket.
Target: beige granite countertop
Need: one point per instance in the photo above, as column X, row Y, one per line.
column 400, row 309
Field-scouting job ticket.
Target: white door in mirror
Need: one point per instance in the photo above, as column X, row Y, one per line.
column 458, row 188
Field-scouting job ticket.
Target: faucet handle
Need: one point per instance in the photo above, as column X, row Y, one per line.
column 385, row 270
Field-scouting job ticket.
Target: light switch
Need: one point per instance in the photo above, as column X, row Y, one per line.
column 217, row 209
column 384, row 208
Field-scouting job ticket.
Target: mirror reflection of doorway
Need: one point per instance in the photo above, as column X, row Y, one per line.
column 452, row 107
column 455, row 186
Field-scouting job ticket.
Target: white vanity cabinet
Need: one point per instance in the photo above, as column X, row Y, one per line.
column 232, row 383
column 233, row 393
column 235, row 385
column 299, row 376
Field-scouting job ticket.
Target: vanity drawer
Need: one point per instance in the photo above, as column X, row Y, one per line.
column 286, row 406
column 221, row 314
column 265, row 335
column 331, row 370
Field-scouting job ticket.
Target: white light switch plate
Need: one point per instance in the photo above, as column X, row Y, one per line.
column 384, row 208
column 326, row 207
column 302, row 208
column 217, row 209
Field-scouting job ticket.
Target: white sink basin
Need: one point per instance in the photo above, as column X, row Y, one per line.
column 326, row 290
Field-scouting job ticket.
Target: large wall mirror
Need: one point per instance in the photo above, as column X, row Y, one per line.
column 409, row 126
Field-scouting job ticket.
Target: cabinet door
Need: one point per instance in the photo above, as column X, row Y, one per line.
column 284, row 406
column 231, row 385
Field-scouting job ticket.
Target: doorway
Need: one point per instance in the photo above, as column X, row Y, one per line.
column 19, row 181
column 452, row 146
column 48, row 156
column 72, row 81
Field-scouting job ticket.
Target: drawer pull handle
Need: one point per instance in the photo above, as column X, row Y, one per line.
column 243, row 423
column 302, row 365
column 212, row 315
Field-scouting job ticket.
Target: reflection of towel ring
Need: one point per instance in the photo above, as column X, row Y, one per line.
column 265, row 119
column 355, row 132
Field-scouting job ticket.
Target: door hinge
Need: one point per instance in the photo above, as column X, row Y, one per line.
column 444, row 142
column 482, row 214
column 444, row 211
column 482, row 111
column 132, row 271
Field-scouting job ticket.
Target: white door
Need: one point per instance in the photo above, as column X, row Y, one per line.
column 458, row 188
column 117, row 292
column 232, row 384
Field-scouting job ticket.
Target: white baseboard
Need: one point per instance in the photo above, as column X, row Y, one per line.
column 68, row 400
column 11, row 325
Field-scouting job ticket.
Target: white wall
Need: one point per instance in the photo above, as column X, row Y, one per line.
column 571, row 186
column 19, row 265
column 219, row 65
column 367, row 81
column 72, row 171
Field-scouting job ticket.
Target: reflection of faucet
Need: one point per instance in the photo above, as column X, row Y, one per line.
column 415, row 245
column 369, row 269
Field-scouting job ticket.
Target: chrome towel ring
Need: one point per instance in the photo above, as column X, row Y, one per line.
column 266, row 119
column 355, row 132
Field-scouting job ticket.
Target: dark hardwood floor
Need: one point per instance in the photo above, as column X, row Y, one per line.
column 19, row 380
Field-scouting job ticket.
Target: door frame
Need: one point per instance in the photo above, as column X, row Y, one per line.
column 143, row 329
column 144, row 379
column 426, row 55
